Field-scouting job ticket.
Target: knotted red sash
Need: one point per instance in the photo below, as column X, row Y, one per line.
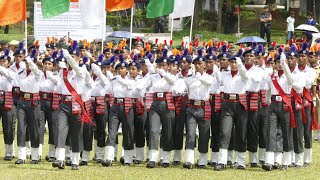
column 207, row 110
column 299, row 104
column 217, row 100
column 243, row 101
column 253, row 100
column 178, row 100
column 169, row 99
column 139, row 106
column 149, row 100
column 307, row 95
column 263, row 97
column 285, row 99
column 85, row 118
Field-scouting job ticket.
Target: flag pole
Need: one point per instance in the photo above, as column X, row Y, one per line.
column 191, row 25
column 26, row 35
column 103, row 24
column 131, row 23
column 171, row 26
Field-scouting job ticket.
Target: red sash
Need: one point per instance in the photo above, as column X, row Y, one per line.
column 85, row 118
column 285, row 99
column 149, row 100
column 207, row 110
column 55, row 101
column 127, row 105
column 299, row 104
column 243, row 101
column 100, row 104
column 253, row 100
column 169, row 99
column 314, row 124
column 217, row 100
column 178, row 100
column 139, row 106
column 263, row 97
column 8, row 101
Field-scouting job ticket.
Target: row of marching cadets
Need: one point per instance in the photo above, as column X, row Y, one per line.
column 239, row 101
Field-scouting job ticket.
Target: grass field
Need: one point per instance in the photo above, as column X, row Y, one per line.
column 44, row 170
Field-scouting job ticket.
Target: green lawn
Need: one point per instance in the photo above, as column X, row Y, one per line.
column 44, row 170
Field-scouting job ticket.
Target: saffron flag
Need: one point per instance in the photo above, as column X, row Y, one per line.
column 117, row 5
column 12, row 11
column 157, row 8
column 52, row 8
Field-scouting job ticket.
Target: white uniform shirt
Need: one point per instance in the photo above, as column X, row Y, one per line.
column 215, row 87
column 17, row 71
column 134, row 92
column 120, row 86
column 50, row 82
column 309, row 75
column 255, row 78
column 30, row 83
column 179, row 88
column 7, row 78
column 161, row 84
column 199, row 86
column 233, row 85
column 102, row 84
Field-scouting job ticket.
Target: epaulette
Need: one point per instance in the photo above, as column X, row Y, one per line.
column 113, row 79
column 21, row 72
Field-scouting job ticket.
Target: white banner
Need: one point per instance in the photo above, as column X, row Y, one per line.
column 182, row 8
column 92, row 12
column 59, row 26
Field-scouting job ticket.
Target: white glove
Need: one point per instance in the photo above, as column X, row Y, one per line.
column 109, row 74
column 62, row 65
column 238, row 60
column 28, row 59
column 190, row 72
column 283, row 58
column 95, row 68
column 66, row 54
column 162, row 72
column 198, row 75
column 121, row 80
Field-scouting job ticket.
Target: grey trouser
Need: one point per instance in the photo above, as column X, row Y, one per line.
column 51, row 116
column 8, row 123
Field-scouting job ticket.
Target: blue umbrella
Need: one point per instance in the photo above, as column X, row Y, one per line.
column 121, row 34
column 251, row 39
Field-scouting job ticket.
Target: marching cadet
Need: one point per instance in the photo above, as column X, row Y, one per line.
column 138, row 113
column 7, row 107
column 233, row 110
column 198, row 112
column 120, row 106
column 179, row 90
column 215, row 102
column 100, row 93
column 280, row 112
column 28, row 109
column 313, row 61
column 50, row 45
column 86, row 98
column 161, row 111
column 263, row 105
column 309, row 118
column 253, row 88
column 72, row 113
column 49, row 102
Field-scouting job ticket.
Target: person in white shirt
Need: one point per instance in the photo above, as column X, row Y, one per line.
column 119, row 113
column 161, row 111
column 7, row 107
column 28, row 108
column 72, row 113
column 100, row 93
column 309, row 122
column 49, row 104
column 290, row 26
column 233, row 111
column 280, row 85
column 198, row 112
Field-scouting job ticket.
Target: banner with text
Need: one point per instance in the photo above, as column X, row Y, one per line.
column 62, row 25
